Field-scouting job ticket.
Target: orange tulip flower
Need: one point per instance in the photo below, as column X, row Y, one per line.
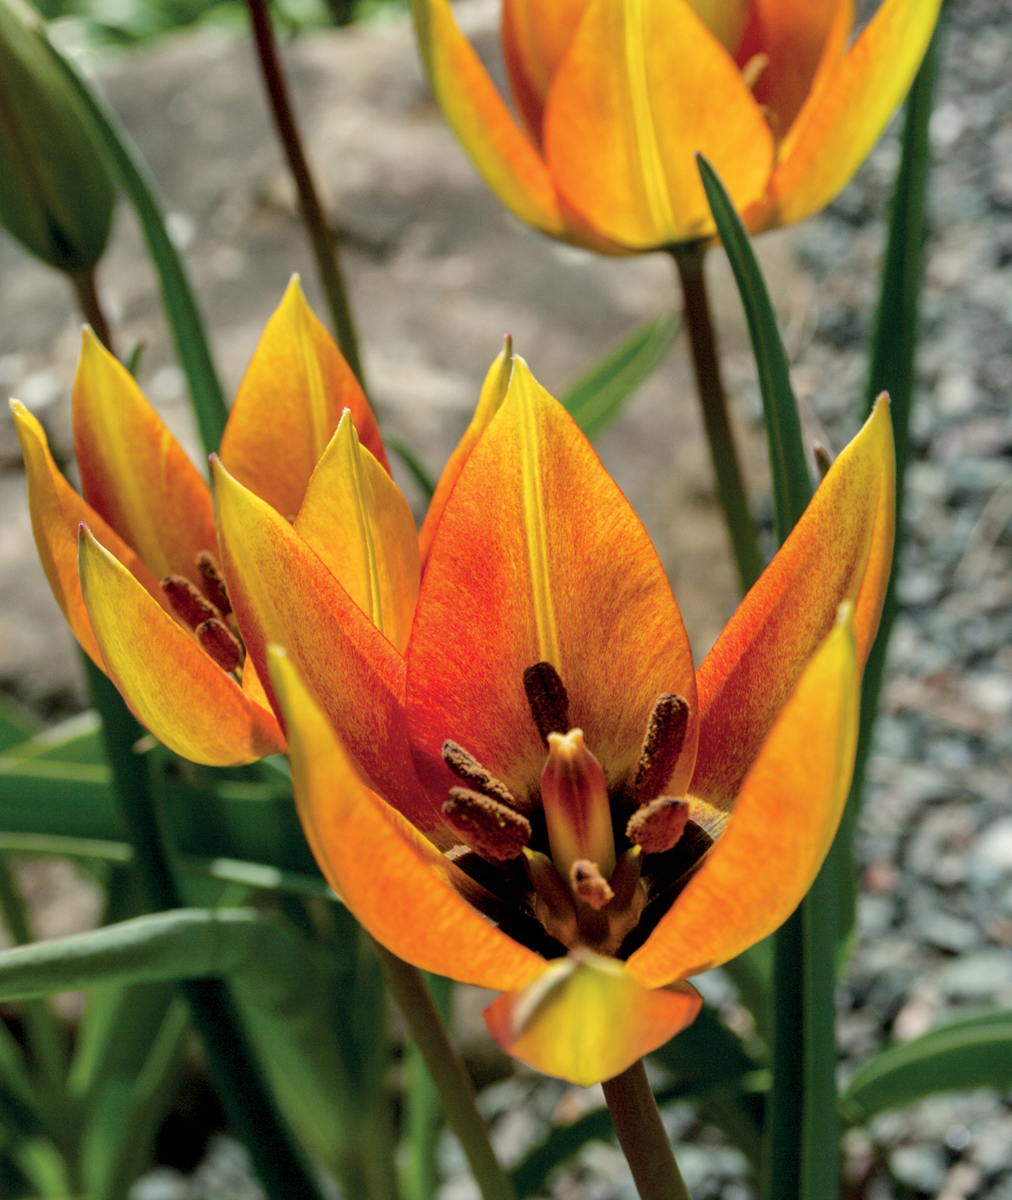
column 616, row 95
column 145, row 597
column 540, row 795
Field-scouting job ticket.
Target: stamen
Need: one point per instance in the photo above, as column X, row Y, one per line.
column 490, row 828
column 187, row 603
column 657, row 826
column 574, row 797
column 589, row 884
column 553, row 902
column 547, row 696
column 212, row 584
column 753, row 70
column 661, row 746
column 220, row 644
column 466, row 767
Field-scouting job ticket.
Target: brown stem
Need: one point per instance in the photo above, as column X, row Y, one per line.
column 642, row 1136
column 87, row 298
column 730, row 487
column 320, row 236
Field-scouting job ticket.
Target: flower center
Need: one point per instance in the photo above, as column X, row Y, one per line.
column 206, row 610
column 589, row 861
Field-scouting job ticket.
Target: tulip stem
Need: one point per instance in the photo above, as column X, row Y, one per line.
column 321, row 236
column 730, row 486
column 448, row 1074
column 642, row 1135
column 248, row 1103
column 91, row 308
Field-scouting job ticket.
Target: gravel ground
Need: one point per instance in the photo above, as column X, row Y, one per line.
column 438, row 275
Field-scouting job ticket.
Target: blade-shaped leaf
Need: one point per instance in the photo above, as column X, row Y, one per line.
column 792, row 484
column 595, row 400
column 966, row 1054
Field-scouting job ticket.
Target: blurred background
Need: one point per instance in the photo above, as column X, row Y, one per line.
column 439, row 272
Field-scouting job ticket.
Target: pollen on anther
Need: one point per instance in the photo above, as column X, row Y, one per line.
column 657, row 826
column 589, row 884
column 220, row 644
column 662, row 745
column 467, row 769
column 187, row 603
column 548, row 699
column 491, row 829
column 212, row 584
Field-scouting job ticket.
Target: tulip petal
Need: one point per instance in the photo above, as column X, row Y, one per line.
column 394, row 880
column 169, row 683
column 535, row 36
column 479, row 117
column 841, row 121
column 539, row 557
column 356, row 519
column 57, row 511
column 586, row 1018
column 841, row 549
column 133, row 471
column 283, row 593
column 493, row 393
column 288, row 405
column 803, row 39
column 781, row 829
column 643, row 85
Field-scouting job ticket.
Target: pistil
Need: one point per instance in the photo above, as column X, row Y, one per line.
column 574, row 795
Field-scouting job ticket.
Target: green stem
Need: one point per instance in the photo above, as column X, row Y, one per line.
column 320, row 235
column 247, row 1102
column 420, row 1176
column 730, row 486
column 448, row 1073
column 781, row 1177
column 91, row 308
column 820, row 1131
column 642, row 1136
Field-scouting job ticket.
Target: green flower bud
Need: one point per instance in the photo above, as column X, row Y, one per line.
column 56, row 193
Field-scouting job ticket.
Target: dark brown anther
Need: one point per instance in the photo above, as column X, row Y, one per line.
column 657, row 826
column 212, row 584
column 467, row 768
column 548, row 698
column 187, row 603
column 220, row 644
column 661, row 746
column 589, row 884
column 491, row 829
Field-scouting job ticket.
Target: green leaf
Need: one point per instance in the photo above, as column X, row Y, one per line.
column 180, row 306
column 14, row 728
column 792, row 484
column 595, row 400
column 973, row 1053
column 426, row 484
column 892, row 370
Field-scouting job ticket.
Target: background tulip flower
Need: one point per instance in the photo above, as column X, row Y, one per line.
column 544, row 752
column 134, row 563
column 617, row 95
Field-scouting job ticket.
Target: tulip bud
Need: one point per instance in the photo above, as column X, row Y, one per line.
column 56, row 193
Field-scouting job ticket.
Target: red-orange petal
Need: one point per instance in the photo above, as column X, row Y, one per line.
column 282, row 593
column 169, row 683
column 780, row 830
column 641, row 88
column 535, row 36
column 479, row 117
column 586, row 1018
column 794, row 35
column 841, row 549
column 288, row 405
column 842, row 119
column 57, row 511
column 133, row 471
column 392, row 878
column 493, row 393
column 539, row 557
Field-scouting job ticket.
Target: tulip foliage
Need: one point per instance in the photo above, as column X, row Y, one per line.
column 332, row 741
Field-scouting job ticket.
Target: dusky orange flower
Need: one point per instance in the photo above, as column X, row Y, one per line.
column 615, row 96
column 134, row 562
column 540, row 795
